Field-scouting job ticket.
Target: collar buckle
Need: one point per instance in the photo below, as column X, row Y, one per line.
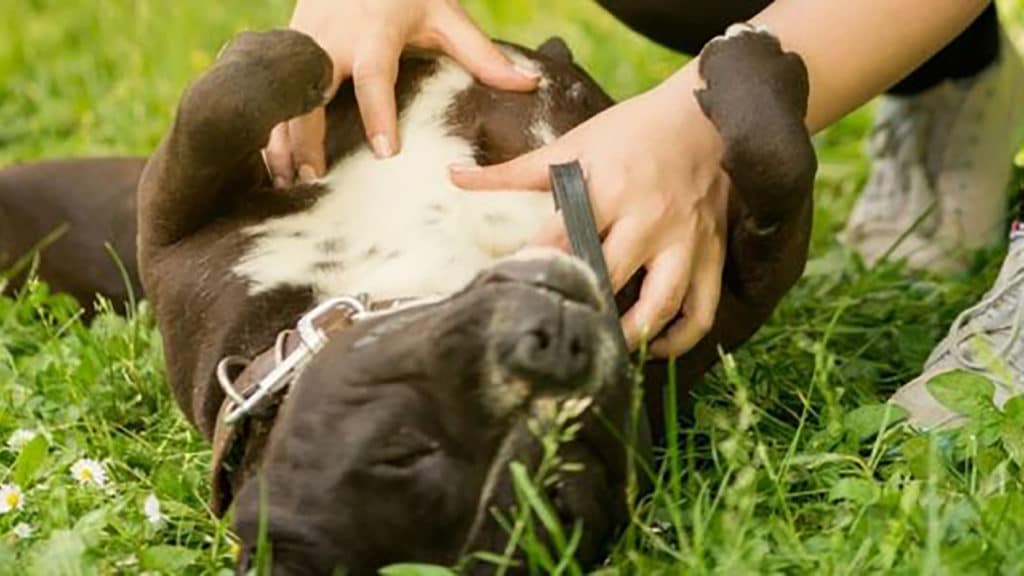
column 313, row 329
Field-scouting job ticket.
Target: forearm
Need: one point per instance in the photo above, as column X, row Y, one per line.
column 855, row 50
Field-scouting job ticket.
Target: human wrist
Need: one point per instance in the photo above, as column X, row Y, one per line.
column 680, row 112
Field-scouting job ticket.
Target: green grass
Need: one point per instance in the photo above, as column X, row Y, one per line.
column 783, row 470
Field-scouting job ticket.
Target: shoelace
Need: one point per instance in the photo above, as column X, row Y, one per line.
column 962, row 334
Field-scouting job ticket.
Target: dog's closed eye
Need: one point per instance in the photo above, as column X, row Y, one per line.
column 403, row 450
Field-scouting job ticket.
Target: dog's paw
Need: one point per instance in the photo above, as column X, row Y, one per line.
column 756, row 95
column 282, row 66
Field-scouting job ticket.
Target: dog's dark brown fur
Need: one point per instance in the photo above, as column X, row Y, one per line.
column 81, row 205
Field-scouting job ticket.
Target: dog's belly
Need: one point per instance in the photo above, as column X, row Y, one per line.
column 396, row 228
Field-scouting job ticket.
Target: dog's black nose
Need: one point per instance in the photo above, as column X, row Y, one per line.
column 555, row 350
column 553, row 323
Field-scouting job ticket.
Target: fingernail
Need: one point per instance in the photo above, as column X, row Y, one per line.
column 528, row 71
column 381, row 146
column 307, row 174
column 631, row 344
column 642, row 334
column 628, row 332
column 280, row 183
column 464, row 168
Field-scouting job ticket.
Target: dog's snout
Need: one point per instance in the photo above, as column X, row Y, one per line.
column 555, row 351
column 553, row 271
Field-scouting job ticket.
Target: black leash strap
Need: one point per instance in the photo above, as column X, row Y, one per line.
column 573, row 199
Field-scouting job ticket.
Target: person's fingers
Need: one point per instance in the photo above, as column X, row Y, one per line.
column 318, row 20
column 661, row 296
column 278, row 156
column 623, row 254
column 700, row 309
column 374, row 73
column 553, row 235
column 462, row 40
column 306, row 135
column 528, row 172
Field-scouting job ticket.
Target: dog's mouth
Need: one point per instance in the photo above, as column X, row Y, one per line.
column 545, row 274
column 552, row 273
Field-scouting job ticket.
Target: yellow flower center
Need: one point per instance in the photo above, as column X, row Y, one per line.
column 12, row 499
column 86, row 475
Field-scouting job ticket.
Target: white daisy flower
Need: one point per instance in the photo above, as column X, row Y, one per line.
column 151, row 508
column 23, row 531
column 11, row 498
column 89, row 473
column 19, row 438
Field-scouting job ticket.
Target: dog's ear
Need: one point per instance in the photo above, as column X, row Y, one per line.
column 557, row 49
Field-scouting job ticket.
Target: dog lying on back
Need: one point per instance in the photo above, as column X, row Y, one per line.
column 392, row 443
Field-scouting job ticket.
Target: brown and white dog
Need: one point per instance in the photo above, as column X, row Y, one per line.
column 392, row 443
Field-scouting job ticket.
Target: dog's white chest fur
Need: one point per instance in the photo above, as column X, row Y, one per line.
column 396, row 228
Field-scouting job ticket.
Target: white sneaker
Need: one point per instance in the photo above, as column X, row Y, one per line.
column 984, row 339
column 941, row 163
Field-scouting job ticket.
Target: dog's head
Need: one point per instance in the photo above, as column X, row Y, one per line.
column 385, row 447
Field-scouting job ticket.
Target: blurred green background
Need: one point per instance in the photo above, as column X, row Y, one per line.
column 98, row 77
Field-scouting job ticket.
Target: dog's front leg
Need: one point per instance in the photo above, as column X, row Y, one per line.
column 756, row 95
column 212, row 152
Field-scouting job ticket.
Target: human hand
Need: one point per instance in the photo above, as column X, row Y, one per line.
column 660, row 199
column 365, row 39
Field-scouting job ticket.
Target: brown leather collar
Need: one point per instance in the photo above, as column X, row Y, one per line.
column 254, row 395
